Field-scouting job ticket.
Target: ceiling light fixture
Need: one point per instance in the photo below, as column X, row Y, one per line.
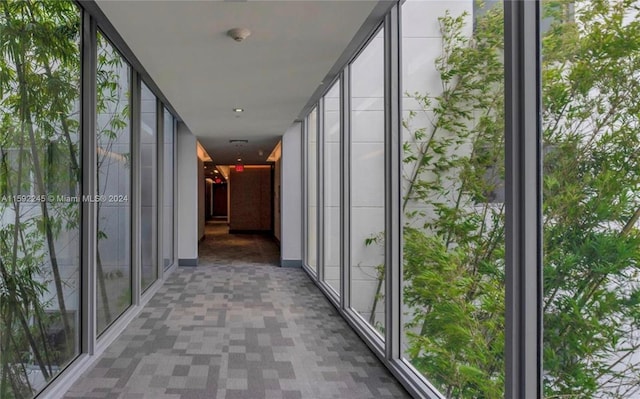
column 238, row 110
column 238, row 34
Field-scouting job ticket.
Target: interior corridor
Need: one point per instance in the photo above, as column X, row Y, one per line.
column 237, row 326
column 219, row 248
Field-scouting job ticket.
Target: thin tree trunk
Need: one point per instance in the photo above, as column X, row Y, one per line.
column 23, row 321
column 4, row 351
column 26, row 119
column 376, row 298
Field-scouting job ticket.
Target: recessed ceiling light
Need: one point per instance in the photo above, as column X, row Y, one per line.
column 239, row 159
column 238, row 110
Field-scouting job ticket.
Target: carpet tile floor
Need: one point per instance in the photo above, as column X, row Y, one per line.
column 237, row 326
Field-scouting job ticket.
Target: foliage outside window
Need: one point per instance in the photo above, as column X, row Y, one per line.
column 40, row 171
column 454, row 217
column 113, row 179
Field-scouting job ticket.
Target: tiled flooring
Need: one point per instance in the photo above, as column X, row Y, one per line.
column 237, row 326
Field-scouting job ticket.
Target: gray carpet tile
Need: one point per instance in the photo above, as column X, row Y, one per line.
column 237, row 326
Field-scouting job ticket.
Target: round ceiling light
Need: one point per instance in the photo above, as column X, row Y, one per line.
column 238, row 34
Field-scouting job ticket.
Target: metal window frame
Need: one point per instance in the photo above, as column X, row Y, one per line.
column 175, row 194
column 320, row 190
column 303, row 195
column 88, row 212
column 136, row 252
column 305, row 192
column 166, row 270
column 313, row 272
column 330, row 291
column 159, row 189
column 99, row 335
column 147, row 292
column 523, row 186
column 372, row 337
column 393, row 170
column 345, row 189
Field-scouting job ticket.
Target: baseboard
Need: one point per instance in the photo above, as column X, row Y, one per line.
column 188, row 262
column 290, row 263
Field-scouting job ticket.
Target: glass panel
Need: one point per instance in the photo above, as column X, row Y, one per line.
column 167, row 231
column 113, row 257
column 368, row 183
column 40, row 169
column 591, row 208
column 453, row 195
column 149, row 189
column 332, row 139
column 312, row 191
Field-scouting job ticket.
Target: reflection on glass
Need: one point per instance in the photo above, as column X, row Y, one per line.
column 368, row 183
column 453, row 196
column 40, row 170
column 113, row 180
column 149, row 188
column 312, row 191
column 591, row 195
column 332, row 139
column 168, row 233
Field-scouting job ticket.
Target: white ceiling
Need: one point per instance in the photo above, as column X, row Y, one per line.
column 205, row 74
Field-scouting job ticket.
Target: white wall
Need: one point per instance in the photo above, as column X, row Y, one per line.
column 277, row 201
column 291, row 178
column 201, row 188
column 187, row 163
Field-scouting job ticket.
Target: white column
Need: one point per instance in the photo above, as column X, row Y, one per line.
column 291, row 181
column 187, row 164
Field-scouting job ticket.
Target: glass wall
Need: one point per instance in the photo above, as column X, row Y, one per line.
column 149, row 188
column 113, row 182
column 453, row 196
column 331, row 163
column 168, row 176
column 591, row 208
column 368, row 183
column 40, row 170
column 48, row 260
column 311, row 254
